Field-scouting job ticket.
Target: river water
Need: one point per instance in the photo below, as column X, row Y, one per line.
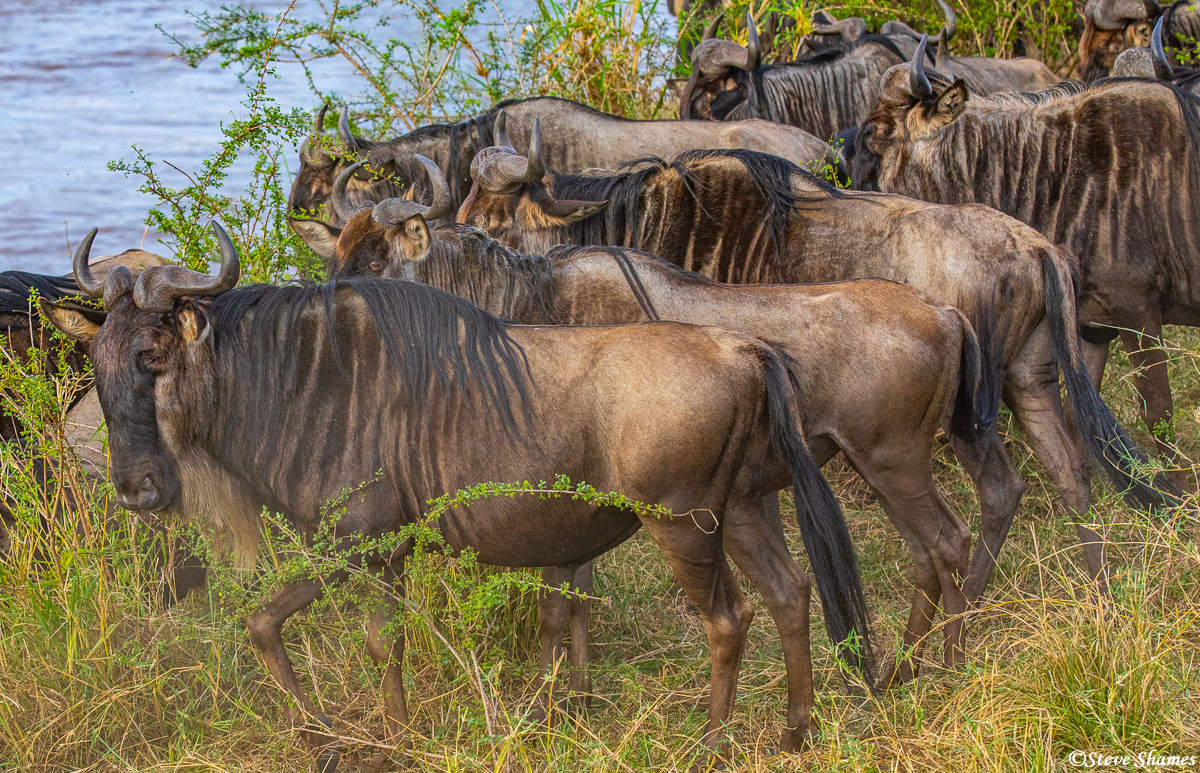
column 83, row 80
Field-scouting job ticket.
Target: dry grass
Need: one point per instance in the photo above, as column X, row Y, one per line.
column 95, row 677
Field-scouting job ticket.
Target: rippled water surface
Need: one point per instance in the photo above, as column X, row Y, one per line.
column 83, row 80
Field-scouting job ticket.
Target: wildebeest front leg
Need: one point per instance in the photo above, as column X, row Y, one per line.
column 698, row 562
column 266, row 634
column 1150, row 379
column 385, row 643
column 581, row 652
column 554, row 611
column 754, row 540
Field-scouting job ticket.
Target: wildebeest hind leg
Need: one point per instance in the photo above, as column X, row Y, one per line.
column 754, row 540
column 999, row 488
column 1033, row 396
column 385, row 643
column 698, row 561
column 940, row 544
column 266, row 634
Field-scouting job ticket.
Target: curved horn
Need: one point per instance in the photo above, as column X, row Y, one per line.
column 753, row 54
column 918, row 84
column 537, row 169
column 1115, row 14
column 442, row 204
column 338, row 198
column 319, row 121
column 941, row 60
column 710, row 31
column 344, row 131
column 499, row 136
column 849, row 29
column 715, row 57
column 1162, row 65
column 231, row 264
column 83, row 273
column 951, row 23
column 159, row 286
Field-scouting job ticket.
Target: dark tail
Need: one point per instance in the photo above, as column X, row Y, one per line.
column 826, row 538
column 977, row 403
column 1106, row 441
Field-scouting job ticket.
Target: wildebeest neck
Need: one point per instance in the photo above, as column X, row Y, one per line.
column 467, row 262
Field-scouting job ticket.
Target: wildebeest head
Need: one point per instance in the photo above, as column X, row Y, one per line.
column 718, row 80
column 914, row 104
column 512, row 197
column 1141, row 62
column 322, row 159
column 1110, row 27
column 372, row 231
column 152, row 354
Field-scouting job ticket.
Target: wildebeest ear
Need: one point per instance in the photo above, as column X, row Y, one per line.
column 952, row 101
column 192, row 321
column 570, row 211
column 417, row 232
column 321, row 238
column 75, row 321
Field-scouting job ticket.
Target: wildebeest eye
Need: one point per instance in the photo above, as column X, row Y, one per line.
column 151, row 359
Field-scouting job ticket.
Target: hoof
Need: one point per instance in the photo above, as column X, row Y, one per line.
column 792, row 741
column 327, row 761
column 901, row 673
column 385, row 761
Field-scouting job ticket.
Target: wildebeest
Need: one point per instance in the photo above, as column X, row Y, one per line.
column 585, row 138
column 1111, row 26
column 224, row 401
column 828, row 92
column 1152, row 62
column 1112, row 173
column 879, row 365
column 744, row 217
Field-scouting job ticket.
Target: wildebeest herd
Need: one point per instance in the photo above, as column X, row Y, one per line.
column 683, row 312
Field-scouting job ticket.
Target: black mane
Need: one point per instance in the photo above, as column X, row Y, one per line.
column 17, row 286
column 618, row 222
column 418, row 326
